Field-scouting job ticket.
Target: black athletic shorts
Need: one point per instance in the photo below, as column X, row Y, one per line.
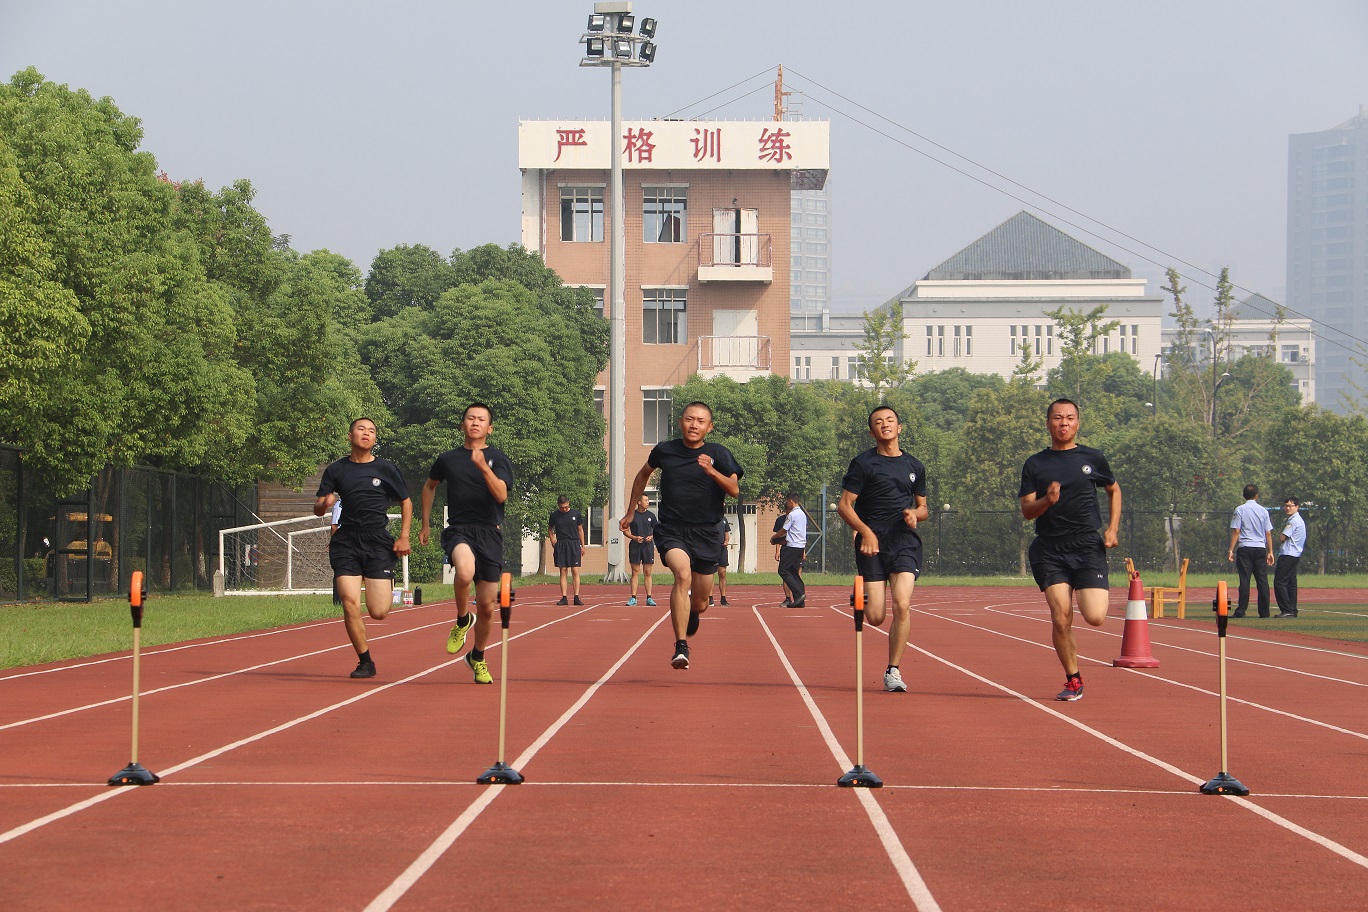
column 701, row 543
column 355, row 551
column 567, row 553
column 900, row 551
column 485, row 541
column 641, row 552
column 1079, row 560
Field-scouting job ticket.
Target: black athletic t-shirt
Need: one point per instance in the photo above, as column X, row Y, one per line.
column 1080, row 471
column 884, row 486
column 366, row 490
column 566, row 524
column 644, row 523
column 688, row 496
column 468, row 497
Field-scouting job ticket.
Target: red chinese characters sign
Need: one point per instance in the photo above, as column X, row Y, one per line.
column 666, row 144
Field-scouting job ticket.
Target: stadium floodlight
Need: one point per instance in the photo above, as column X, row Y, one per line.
column 616, row 46
column 597, row 22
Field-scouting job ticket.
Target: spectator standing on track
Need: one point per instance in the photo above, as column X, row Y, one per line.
column 1293, row 538
column 641, row 550
column 883, row 497
column 1068, row 557
column 1251, row 549
column 566, row 529
column 723, row 529
column 695, row 478
column 362, row 547
column 478, row 478
column 793, row 551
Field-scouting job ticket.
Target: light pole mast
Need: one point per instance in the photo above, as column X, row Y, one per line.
column 610, row 42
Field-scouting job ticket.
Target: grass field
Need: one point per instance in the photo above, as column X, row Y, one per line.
column 34, row 633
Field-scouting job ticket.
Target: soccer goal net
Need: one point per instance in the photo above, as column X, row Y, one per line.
column 285, row 556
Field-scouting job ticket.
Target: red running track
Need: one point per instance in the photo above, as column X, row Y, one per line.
column 287, row 785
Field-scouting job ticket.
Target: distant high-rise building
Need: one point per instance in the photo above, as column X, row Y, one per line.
column 810, row 291
column 1327, row 251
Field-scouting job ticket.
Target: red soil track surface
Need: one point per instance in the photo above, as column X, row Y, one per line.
column 287, row 785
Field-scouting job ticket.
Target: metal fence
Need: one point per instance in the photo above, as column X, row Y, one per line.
column 87, row 544
column 994, row 543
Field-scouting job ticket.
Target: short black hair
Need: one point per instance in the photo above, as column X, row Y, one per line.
column 352, row 426
column 562, row 499
column 883, row 408
column 1050, row 408
column 1251, row 491
column 1289, row 499
column 702, row 405
column 478, row 405
column 794, row 496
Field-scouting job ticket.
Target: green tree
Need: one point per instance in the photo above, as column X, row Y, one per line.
column 881, row 362
column 1318, row 456
column 408, row 276
column 943, row 396
column 1181, row 353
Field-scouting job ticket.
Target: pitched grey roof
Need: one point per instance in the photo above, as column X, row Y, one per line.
column 1254, row 307
column 1024, row 247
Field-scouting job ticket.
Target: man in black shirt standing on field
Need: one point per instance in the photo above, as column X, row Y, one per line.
column 695, row 478
column 1069, row 556
column 883, row 497
column 478, row 478
column 566, row 529
column 362, row 546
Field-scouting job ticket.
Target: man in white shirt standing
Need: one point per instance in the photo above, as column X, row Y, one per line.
column 793, row 551
column 1293, row 538
column 1251, row 549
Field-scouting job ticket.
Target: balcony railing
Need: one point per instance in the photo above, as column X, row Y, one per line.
column 733, row 355
column 735, row 257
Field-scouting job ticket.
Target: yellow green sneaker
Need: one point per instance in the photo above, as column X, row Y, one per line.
column 480, row 669
column 456, row 639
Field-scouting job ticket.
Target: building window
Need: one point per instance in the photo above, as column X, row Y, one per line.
column 853, row 371
column 598, row 402
column 1290, row 354
column 802, row 367
column 593, row 529
column 931, row 343
column 664, row 316
column 655, row 416
column 1012, row 343
column 1037, row 338
column 581, row 213
column 1135, row 339
column 599, row 293
column 968, row 341
column 665, row 214
column 835, row 368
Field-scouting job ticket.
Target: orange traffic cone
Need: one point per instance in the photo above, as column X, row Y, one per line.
column 1135, row 641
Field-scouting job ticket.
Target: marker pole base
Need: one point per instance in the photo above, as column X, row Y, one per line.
column 859, row 777
column 500, row 774
column 1224, row 784
column 134, row 774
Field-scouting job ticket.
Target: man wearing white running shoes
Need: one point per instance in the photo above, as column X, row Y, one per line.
column 883, row 497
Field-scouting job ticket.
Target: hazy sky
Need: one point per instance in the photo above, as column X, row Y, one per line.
column 366, row 125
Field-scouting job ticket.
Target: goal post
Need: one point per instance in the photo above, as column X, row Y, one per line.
column 286, row 556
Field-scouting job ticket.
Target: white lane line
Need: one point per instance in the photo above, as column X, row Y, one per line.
column 1149, row 673
column 1318, row 839
column 114, row 792
column 916, row 887
column 424, row 862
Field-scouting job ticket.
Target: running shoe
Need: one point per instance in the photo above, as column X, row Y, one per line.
column 693, row 623
column 456, row 639
column 480, row 669
column 577, row 600
column 364, row 670
column 893, row 682
column 724, row 601
column 563, row 601
column 681, row 657
column 710, row 601
column 650, row 601
column 631, row 601
column 1073, row 690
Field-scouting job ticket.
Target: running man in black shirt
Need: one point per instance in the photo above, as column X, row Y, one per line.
column 695, row 478
column 1068, row 557
column 566, row 529
column 478, row 478
column 883, row 497
column 362, row 547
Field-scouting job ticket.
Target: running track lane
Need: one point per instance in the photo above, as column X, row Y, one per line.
column 949, row 750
